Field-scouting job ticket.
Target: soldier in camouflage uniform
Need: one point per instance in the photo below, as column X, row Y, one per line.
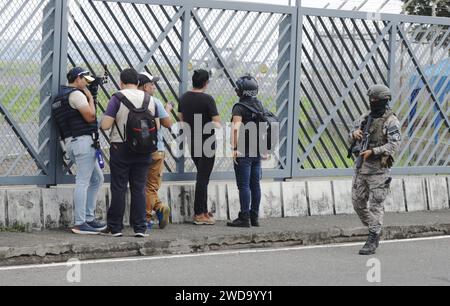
column 371, row 183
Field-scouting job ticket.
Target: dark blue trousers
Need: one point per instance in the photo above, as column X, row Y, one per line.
column 248, row 176
column 128, row 167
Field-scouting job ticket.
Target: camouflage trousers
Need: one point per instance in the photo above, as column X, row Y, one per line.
column 368, row 195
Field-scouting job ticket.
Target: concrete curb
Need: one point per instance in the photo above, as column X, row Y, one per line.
column 54, row 253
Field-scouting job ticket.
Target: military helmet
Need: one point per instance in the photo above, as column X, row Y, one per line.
column 247, row 86
column 379, row 92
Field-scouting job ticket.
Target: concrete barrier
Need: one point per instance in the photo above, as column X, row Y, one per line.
column 53, row 208
column 234, row 205
column 438, row 193
column 294, row 199
column 342, row 191
column 396, row 198
column 271, row 201
column 416, row 195
column 3, row 208
column 448, row 189
column 320, row 198
column 24, row 208
column 217, row 201
column 58, row 207
column 182, row 199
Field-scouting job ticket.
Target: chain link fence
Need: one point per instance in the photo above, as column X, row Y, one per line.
column 27, row 81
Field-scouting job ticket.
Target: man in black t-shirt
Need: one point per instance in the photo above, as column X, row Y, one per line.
column 199, row 110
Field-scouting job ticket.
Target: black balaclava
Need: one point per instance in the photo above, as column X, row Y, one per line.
column 378, row 108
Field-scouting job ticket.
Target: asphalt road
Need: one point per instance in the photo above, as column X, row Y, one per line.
column 413, row 262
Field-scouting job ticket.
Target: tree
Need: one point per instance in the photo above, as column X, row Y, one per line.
column 438, row 8
column 425, row 8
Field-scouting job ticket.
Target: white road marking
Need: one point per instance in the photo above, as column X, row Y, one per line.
column 154, row 258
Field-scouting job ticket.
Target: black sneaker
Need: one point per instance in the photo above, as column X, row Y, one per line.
column 254, row 220
column 141, row 235
column 240, row 222
column 370, row 247
column 97, row 225
column 109, row 232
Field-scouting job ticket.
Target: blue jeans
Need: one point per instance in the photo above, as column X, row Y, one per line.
column 89, row 178
column 248, row 176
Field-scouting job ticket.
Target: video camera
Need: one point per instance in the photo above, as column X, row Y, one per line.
column 94, row 86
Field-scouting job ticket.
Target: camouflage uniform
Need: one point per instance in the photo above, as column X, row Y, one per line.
column 371, row 184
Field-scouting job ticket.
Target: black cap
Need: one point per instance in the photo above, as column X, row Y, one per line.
column 76, row 72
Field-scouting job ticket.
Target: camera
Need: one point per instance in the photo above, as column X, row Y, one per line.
column 94, row 86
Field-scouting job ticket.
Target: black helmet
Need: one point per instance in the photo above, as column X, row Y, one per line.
column 247, row 86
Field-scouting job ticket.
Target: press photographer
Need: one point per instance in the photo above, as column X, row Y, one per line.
column 74, row 112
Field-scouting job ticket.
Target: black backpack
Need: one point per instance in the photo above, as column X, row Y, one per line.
column 141, row 129
column 270, row 121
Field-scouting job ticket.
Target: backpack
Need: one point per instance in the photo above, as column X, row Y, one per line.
column 141, row 132
column 270, row 123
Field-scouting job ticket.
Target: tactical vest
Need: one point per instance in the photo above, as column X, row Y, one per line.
column 377, row 137
column 70, row 122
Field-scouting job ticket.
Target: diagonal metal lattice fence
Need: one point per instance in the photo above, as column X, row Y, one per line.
column 343, row 53
column 314, row 67
column 28, row 78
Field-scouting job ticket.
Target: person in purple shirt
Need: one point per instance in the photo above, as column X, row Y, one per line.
column 126, row 165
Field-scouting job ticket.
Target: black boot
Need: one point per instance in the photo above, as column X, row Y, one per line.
column 240, row 222
column 371, row 245
column 254, row 220
column 378, row 240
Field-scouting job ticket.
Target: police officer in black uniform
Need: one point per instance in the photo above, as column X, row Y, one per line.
column 74, row 112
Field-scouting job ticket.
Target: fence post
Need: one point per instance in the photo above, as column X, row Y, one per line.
column 61, row 69
column 285, row 93
column 50, row 59
column 297, row 89
column 184, row 66
column 392, row 56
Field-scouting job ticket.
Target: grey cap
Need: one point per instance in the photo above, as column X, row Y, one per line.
column 379, row 92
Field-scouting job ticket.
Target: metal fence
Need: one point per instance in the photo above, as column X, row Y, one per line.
column 314, row 67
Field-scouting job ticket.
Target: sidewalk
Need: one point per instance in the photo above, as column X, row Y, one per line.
column 60, row 246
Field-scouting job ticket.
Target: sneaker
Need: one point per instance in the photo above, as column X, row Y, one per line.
column 254, row 220
column 97, row 225
column 239, row 223
column 210, row 216
column 202, row 220
column 141, row 235
column 163, row 215
column 84, row 229
column 150, row 225
column 108, row 231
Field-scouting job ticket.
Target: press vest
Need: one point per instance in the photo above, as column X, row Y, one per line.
column 70, row 122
